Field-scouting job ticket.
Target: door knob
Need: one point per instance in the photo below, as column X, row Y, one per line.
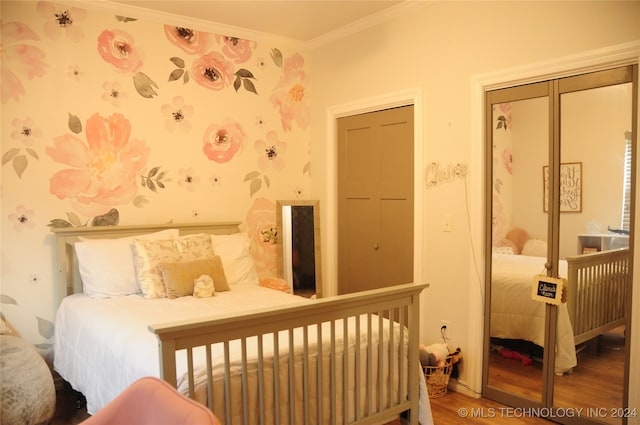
column 376, row 246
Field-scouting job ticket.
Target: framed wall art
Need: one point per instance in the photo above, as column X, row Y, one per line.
column 570, row 187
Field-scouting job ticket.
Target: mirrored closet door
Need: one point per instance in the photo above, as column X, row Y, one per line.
column 558, row 272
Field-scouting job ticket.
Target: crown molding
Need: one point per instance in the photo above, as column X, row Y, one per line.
column 362, row 24
column 160, row 17
column 181, row 20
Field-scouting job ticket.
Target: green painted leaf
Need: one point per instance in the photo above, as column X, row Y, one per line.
column 179, row 62
column 20, row 164
column 8, row 155
column 109, row 219
column 153, row 172
column 151, row 185
column 176, row 74
column 125, row 19
column 256, row 184
column 75, row 125
column 276, row 57
column 6, row 299
column 58, row 223
column 160, row 184
column 249, row 86
column 306, row 168
column 140, row 201
column 186, row 78
column 144, row 85
column 244, row 73
column 45, row 327
column 236, row 83
column 266, row 180
column 32, row 153
column 251, row 175
column 74, row 219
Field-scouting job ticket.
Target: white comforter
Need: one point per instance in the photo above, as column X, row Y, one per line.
column 514, row 315
column 102, row 345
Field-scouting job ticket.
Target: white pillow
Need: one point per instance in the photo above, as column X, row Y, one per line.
column 148, row 255
column 236, row 259
column 535, row 248
column 106, row 265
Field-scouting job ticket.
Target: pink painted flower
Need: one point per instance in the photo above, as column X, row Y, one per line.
column 507, row 161
column 113, row 93
column 25, row 131
column 75, row 73
column 19, row 60
column 103, row 170
column 212, row 71
column 270, row 152
column 262, row 229
column 22, row 218
column 190, row 41
column 222, row 141
column 117, row 48
column 62, row 21
column 236, row 49
column 188, row 179
column 289, row 95
column 177, row 115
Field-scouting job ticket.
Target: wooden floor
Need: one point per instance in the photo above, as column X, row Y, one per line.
column 446, row 410
column 604, row 363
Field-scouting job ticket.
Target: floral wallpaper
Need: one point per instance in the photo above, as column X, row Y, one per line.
column 112, row 119
column 502, row 171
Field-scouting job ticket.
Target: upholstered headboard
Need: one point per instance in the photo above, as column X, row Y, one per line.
column 69, row 281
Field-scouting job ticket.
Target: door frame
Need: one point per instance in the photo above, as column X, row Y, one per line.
column 595, row 60
column 330, row 226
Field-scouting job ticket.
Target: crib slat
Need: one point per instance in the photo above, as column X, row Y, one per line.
column 276, row 378
column 380, row 361
column 244, row 381
column 357, row 380
column 190, row 372
column 227, row 383
column 319, row 374
column 305, row 373
column 369, row 375
column 332, row 387
column 209, row 377
column 261, row 401
column 345, row 371
column 292, row 395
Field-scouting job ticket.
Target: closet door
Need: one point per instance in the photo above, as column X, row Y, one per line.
column 560, row 170
column 519, row 130
column 595, row 127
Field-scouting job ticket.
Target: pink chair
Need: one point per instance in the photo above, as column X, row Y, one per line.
column 152, row 401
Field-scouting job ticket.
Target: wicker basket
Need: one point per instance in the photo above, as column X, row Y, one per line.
column 437, row 378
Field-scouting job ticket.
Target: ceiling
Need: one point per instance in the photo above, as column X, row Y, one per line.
column 298, row 20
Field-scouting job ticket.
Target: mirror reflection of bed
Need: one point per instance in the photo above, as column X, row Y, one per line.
column 299, row 246
column 592, row 251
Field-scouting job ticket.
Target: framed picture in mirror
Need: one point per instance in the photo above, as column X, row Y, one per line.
column 570, row 187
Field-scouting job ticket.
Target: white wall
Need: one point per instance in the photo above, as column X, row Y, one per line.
column 444, row 49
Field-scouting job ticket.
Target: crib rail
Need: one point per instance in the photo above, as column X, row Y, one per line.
column 596, row 293
column 268, row 367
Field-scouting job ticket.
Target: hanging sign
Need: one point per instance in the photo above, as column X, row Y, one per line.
column 547, row 289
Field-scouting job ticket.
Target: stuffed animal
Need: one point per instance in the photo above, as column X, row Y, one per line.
column 434, row 354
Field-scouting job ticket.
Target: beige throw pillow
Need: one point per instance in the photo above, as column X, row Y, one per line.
column 179, row 278
column 149, row 254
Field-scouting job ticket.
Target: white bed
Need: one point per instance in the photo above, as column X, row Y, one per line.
column 595, row 293
column 514, row 315
column 102, row 345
